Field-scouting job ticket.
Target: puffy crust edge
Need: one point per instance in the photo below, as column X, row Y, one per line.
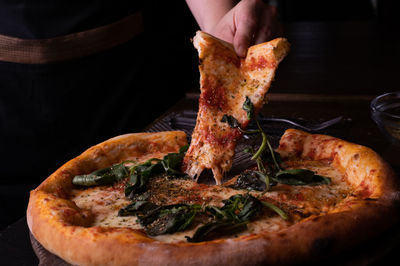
column 368, row 174
column 309, row 240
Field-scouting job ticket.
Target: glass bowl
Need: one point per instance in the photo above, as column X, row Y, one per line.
column 385, row 111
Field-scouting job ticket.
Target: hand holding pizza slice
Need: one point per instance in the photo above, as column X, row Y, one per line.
column 226, row 82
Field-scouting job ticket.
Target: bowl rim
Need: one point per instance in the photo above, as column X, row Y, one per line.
column 375, row 107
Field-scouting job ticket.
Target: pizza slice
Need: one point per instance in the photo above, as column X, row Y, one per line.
column 226, row 81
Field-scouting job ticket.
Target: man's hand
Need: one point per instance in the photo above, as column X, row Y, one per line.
column 249, row 22
column 246, row 23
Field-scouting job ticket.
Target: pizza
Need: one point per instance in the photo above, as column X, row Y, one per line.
column 124, row 202
column 226, row 81
column 135, row 200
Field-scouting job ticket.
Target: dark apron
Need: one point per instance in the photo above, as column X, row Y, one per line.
column 61, row 95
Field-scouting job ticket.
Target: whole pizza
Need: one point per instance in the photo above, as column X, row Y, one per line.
column 135, row 199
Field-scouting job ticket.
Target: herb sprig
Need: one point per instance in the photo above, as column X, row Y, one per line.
column 274, row 173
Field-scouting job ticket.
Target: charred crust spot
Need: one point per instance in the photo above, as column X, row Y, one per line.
column 356, row 156
column 322, row 246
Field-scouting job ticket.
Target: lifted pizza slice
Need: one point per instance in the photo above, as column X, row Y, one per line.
column 226, row 81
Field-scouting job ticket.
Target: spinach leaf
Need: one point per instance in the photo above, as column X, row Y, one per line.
column 105, row 176
column 232, row 218
column 215, row 230
column 158, row 220
column 232, row 122
column 248, row 107
column 134, row 208
column 252, row 180
column 299, row 177
column 184, row 148
column 172, row 163
column 171, row 221
column 241, row 207
column 247, row 207
column 140, row 175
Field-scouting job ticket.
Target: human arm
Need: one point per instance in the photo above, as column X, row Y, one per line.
column 241, row 23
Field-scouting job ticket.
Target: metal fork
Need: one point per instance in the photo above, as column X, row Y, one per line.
column 188, row 119
column 312, row 128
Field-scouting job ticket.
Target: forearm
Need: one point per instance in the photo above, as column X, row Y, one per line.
column 209, row 12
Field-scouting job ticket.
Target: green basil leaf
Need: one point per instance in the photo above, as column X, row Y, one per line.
column 320, row 180
column 184, row 148
column 251, row 208
column 303, row 175
column 170, row 223
column 232, row 122
column 172, row 163
column 215, row 230
column 252, row 180
column 137, row 207
column 105, row 176
column 241, row 207
column 249, row 108
column 168, row 219
column 299, row 177
column 140, row 174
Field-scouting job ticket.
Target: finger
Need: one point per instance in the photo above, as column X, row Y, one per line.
column 243, row 38
column 263, row 35
column 268, row 26
column 225, row 29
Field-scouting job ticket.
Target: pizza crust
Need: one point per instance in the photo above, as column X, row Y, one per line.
column 369, row 175
column 62, row 228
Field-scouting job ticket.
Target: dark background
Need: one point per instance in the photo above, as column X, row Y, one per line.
column 362, row 65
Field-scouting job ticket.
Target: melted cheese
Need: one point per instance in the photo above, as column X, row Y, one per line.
column 299, row 202
column 104, row 204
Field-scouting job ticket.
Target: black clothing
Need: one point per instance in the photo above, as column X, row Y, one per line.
column 51, row 113
column 49, row 18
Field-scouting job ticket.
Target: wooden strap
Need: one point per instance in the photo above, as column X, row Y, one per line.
column 66, row 47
